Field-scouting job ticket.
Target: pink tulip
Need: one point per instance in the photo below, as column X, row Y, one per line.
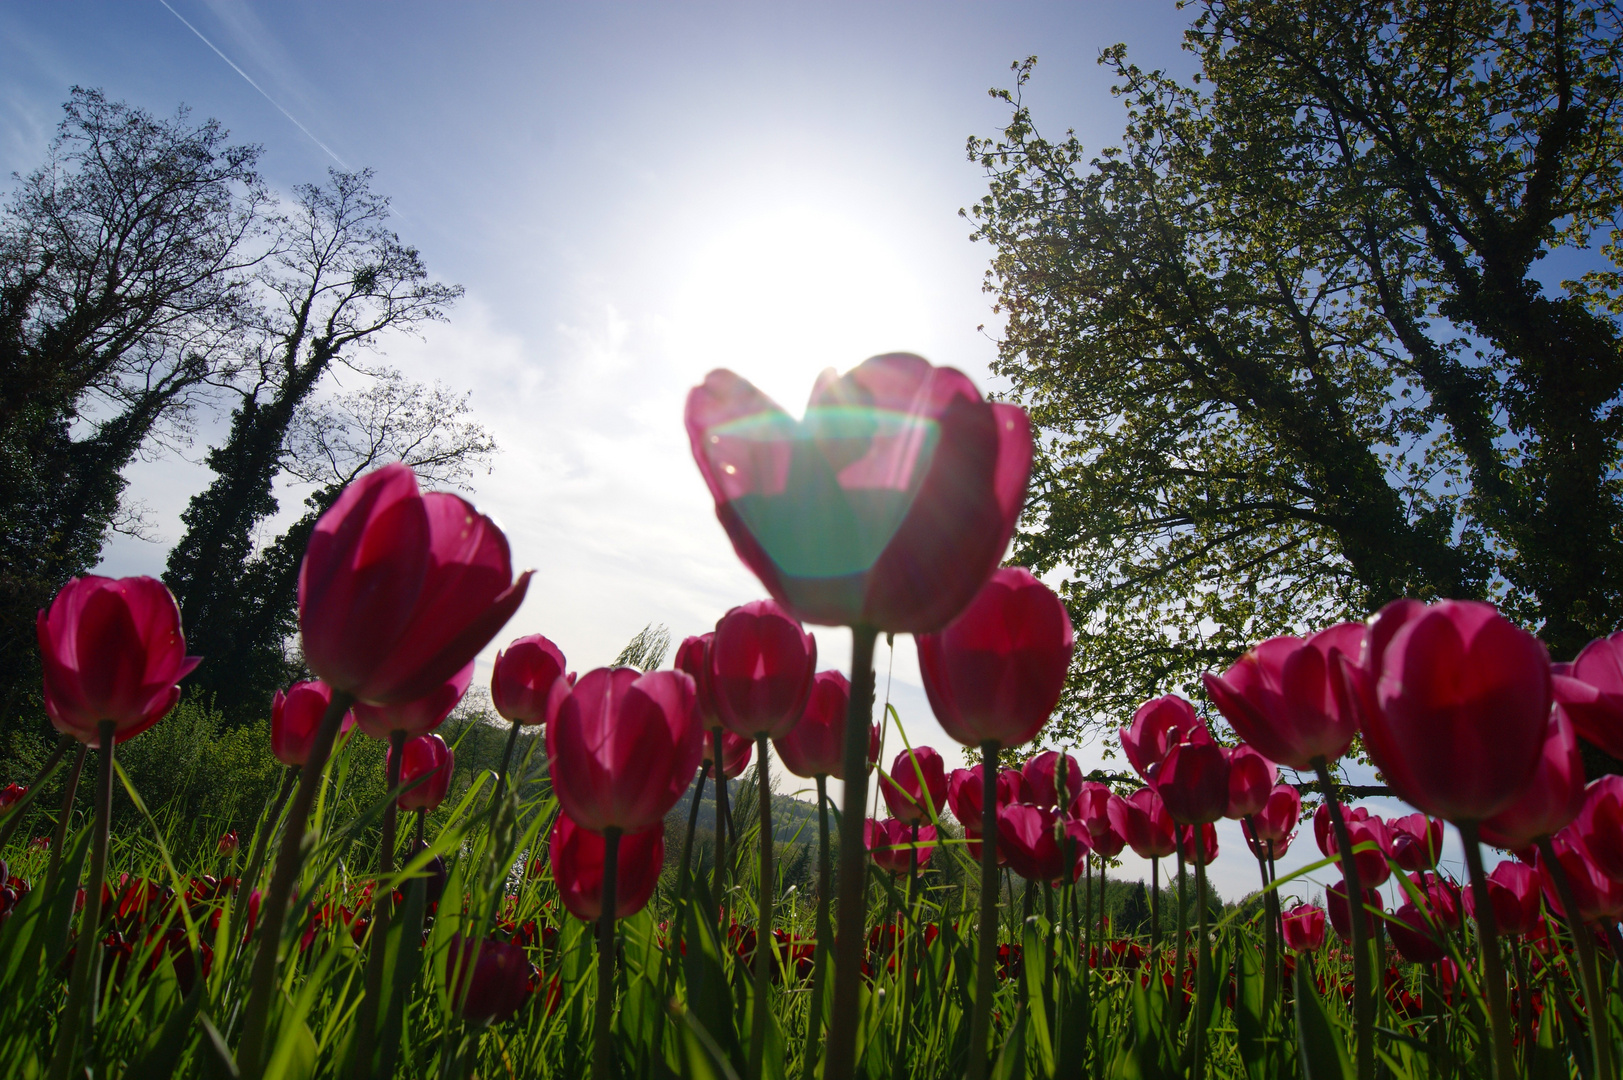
column 693, row 657
column 414, row 717
column 1304, row 928
column 889, row 842
column 1281, row 696
column 577, row 857
column 623, row 747
column 964, row 795
column 1158, row 725
column 736, row 752
column 1251, row 779
column 814, row 747
column 1091, row 807
column 295, row 716
column 1592, row 692
column 1599, row 825
column 112, row 649
column 1417, row 941
column 1029, row 836
column 1363, row 828
column 761, row 667
column 1208, row 842
column 1193, row 781
column 496, row 984
column 1513, row 890
column 1417, row 841
column 905, row 795
column 1597, row 896
column 998, row 671
column 524, row 682
column 1142, row 820
column 399, row 591
column 1276, row 822
column 1550, row 800
column 1335, row 900
column 1443, row 898
column 425, row 757
column 1454, row 704
column 888, row 506
column 1042, row 774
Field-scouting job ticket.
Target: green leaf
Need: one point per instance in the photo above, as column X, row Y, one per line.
column 1323, row 1046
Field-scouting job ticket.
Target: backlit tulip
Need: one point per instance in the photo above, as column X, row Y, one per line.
column 1417, row 841
column 1251, row 779
column 1193, row 781
column 1592, row 692
column 496, row 983
column 1281, row 696
column 295, row 716
column 1597, row 896
column 228, row 844
column 1208, row 843
column 1417, row 941
column 1551, row 798
column 1454, row 705
column 1335, row 902
column 1304, row 928
column 1275, row 823
column 814, row 746
column 577, row 857
column 398, row 590
column 623, row 747
column 890, row 844
column 1370, row 839
column 1091, row 807
column 417, row 716
column 1599, row 825
column 428, row 759
column 1042, row 774
column 112, row 650
column 761, row 667
column 1513, row 890
column 1443, row 898
column 1158, row 725
column 1142, row 820
column 1029, row 836
column 887, row 506
column 736, row 752
column 10, row 795
column 915, row 789
column 997, row 672
column 523, row 681
column 964, row 795
column 693, row 657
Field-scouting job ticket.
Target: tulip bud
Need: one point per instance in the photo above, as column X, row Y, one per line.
column 524, row 681
column 229, row 843
column 10, row 795
column 295, row 716
column 1208, row 844
column 1193, row 781
column 1363, row 828
column 1417, row 941
column 1091, row 808
column 426, row 759
column 1592, row 693
column 736, row 751
column 1513, row 890
column 1275, row 823
column 1304, row 928
column 496, row 977
column 578, row 860
column 761, row 667
column 964, row 795
column 915, row 789
column 1417, row 841
column 112, row 649
column 1335, row 899
column 1597, row 896
column 816, row 745
column 1599, row 825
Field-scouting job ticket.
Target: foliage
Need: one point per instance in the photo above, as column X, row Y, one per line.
column 1288, row 343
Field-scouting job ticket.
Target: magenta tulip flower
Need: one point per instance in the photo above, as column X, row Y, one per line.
column 887, row 506
column 1592, row 692
column 399, row 590
column 1417, row 841
column 1599, row 825
column 428, row 758
column 1193, row 781
column 1454, row 704
column 1371, row 841
column 1513, row 890
column 693, row 657
column 814, row 746
column 1443, row 898
column 497, row 978
column 1158, row 725
column 761, row 667
column 524, row 684
column 890, row 842
column 964, row 795
column 996, row 674
column 1142, row 820
column 1304, row 928
column 1550, row 800
column 1335, row 901
column 736, row 752
column 1251, row 780
column 577, row 857
column 1597, row 896
column 1029, row 837
column 623, row 747
column 1042, row 774
column 1281, row 696
column 295, row 715
column 112, row 650
column 1275, row 823
column 414, row 717
column 915, row 789
column 1416, row 939
column 1208, row 841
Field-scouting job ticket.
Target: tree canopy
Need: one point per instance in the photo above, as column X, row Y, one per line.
column 1293, row 345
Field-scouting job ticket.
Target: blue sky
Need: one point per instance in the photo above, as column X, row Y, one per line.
column 632, row 194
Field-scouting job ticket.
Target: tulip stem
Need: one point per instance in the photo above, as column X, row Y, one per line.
column 1203, row 962
column 986, row 944
column 1588, row 965
column 1155, row 910
column 1183, row 932
column 69, row 791
column 1269, row 945
column 256, row 858
column 814, row 1017
column 83, row 991
column 718, row 872
column 1363, row 986
column 382, row 908
column 763, row 920
column 262, row 979
column 842, row 1039
column 507, row 763
column 1493, row 965
column 602, row 1036
column 14, row 816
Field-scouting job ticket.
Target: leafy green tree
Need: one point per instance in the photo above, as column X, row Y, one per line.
column 1291, row 346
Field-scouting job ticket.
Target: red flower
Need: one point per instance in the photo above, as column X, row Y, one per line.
column 888, row 506
column 524, row 681
column 10, row 795
column 229, row 843
column 1513, row 890
column 890, row 843
column 295, row 715
column 1442, row 898
column 1142, row 820
column 418, row 715
column 1193, row 781
column 736, row 752
column 1550, row 800
column 496, row 976
column 1417, row 841
column 1417, row 940
column 1208, row 840
column 1592, row 692
column 964, row 791
column 1335, row 899
column 815, row 747
column 1091, row 808
column 761, row 667
column 1281, row 698
column 1362, row 828
column 997, row 672
column 1599, row 824
column 1029, row 836
column 1304, row 928
column 915, row 789
column 399, row 591
column 1597, row 896
column 1454, row 703
column 1042, row 774
column 112, row 649
column 577, row 856
column 427, row 757
column 623, row 747
column 1251, row 781
column 1158, row 725
column 1276, row 821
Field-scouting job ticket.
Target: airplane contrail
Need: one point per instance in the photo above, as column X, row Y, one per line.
column 255, row 85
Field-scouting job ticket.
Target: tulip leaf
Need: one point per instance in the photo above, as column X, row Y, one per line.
column 1251, row 1016
column 1039, row 973
column 1322, row 1046
column 1011, row 1056
column 709, row 997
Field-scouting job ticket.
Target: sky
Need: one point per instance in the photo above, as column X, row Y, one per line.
column 632, row 194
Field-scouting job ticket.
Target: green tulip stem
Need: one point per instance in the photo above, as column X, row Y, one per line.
column 14, row 816
column 70, row 791
column 825, row 934
column 1270, row 943
column 1183, row 932
column 602, row 1029
column 1203, row 962
column 1155, row 909
column 848, row 942
column 684, row 881
column 382, row 909
column 1588, row 964
column 1493, row 965
column 980, row 1026
column 718, row 882
column 289, row 857
column 84, row 991
column 1363, row 977
column 763, row 920
column 507, row 763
